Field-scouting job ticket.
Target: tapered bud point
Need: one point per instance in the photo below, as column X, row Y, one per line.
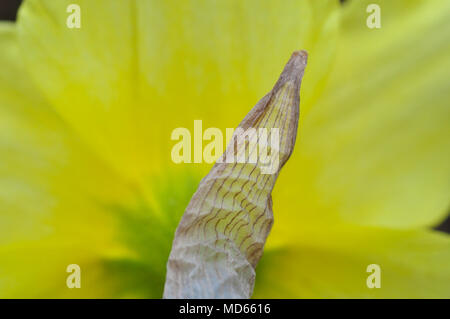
column 222, row 233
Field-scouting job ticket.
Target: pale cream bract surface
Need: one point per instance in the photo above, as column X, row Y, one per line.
column 222, row 233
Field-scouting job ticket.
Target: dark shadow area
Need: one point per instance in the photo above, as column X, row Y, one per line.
column 8, row 9
column 444, row 226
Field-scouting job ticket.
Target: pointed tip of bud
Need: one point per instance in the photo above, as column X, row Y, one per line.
column 300, row 53
column 295, row 67
column 207, row 227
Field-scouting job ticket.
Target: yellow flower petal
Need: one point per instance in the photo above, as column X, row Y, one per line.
column 52, row 190
column 375, row 148
column 136, row 70
column 332, row 263
column 371, row 149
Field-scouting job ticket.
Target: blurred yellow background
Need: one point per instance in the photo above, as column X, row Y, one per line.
column 86, row 116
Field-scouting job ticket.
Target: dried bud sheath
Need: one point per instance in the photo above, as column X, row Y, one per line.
column 221, row 236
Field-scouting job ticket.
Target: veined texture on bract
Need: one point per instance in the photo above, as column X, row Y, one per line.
column 222, row 233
